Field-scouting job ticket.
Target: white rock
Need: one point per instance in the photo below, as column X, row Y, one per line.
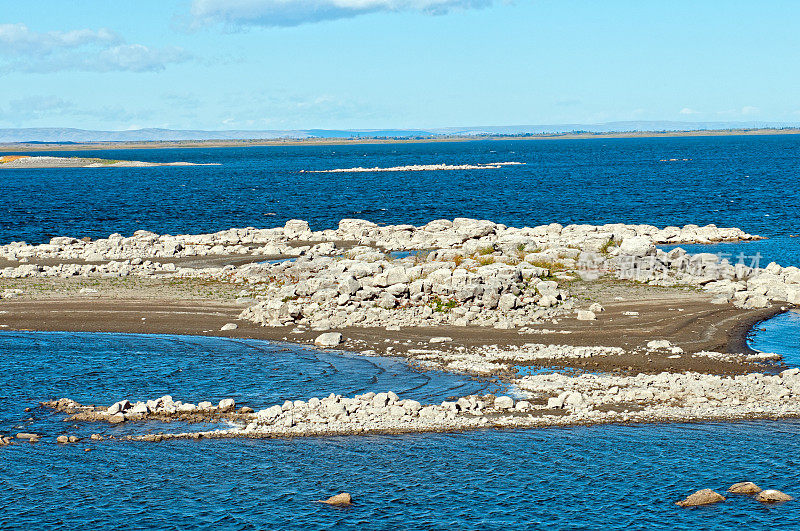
column 504, row 402
column 328, row 339
column 229, row 326
column 227, row 404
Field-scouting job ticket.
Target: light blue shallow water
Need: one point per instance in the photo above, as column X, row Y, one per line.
column 574, row 478
column 780, row 335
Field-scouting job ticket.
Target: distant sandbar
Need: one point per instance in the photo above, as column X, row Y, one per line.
column 22, row 162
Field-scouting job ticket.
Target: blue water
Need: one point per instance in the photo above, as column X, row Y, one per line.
column 780, row 335
column 575, row 478
column 749, row 182
column 103, row 368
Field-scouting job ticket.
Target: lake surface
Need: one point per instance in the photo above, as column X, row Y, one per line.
column 565, row 478
column 748, row 182
column 781, row 335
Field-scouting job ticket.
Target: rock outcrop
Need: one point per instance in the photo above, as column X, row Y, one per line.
column 701, row 497
column 773, row 496
column 745, row 487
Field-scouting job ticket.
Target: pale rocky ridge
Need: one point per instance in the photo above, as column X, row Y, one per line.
column 462, row 272
column 471, row 273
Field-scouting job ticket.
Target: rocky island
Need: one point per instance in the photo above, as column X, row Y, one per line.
column 584, row 324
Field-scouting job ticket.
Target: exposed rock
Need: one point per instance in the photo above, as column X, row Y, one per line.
column 637, row 246
column 701, row 497
column 773, row 496
column 504, row 402
column 229, row 326
column 745, row 487
column 584, row 315
column 341, row 499
column 328, row 339
column 227, row 404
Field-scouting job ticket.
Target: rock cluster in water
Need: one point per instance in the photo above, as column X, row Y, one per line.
column 709, row 497
column 550, row 399
column 462, row 272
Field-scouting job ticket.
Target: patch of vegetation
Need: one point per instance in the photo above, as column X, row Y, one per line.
column 549, row 265
column 484, row 251
column 606, row 247
column 441, row 306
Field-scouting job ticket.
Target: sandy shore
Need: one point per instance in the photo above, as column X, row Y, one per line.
column 684, row 317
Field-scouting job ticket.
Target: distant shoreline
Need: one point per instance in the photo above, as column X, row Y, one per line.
column 165, row 144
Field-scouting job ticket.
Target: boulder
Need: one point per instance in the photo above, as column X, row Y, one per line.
column 341, row 499
column 507, row 302
column 745, row 487
column 555, row 402
column 227, row 404
column 117, row 407
column 62, row 439
column 584, row 315
column 504, row 402
column 295, row 228
column 658, row 344
column 773, row 496
column 328, row 339
column 701, row 497
column 637, row 246
column 229, row 326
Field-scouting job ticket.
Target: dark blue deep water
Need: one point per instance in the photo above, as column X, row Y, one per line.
column 577, row 478
column 748, row 182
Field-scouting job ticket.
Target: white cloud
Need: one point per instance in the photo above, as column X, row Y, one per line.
column 749, row 110
column 22, row 49
column 687, row 110
column 18, row 39
column 273, row 13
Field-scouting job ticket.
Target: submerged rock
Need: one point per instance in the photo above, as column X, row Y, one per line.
column 340, row 499
column 745, row 487
column 773, row 496
column 701, row 497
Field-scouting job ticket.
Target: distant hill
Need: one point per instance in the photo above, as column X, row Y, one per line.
column 69, row 135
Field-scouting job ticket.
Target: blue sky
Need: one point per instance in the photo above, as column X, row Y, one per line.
column 297, row 64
